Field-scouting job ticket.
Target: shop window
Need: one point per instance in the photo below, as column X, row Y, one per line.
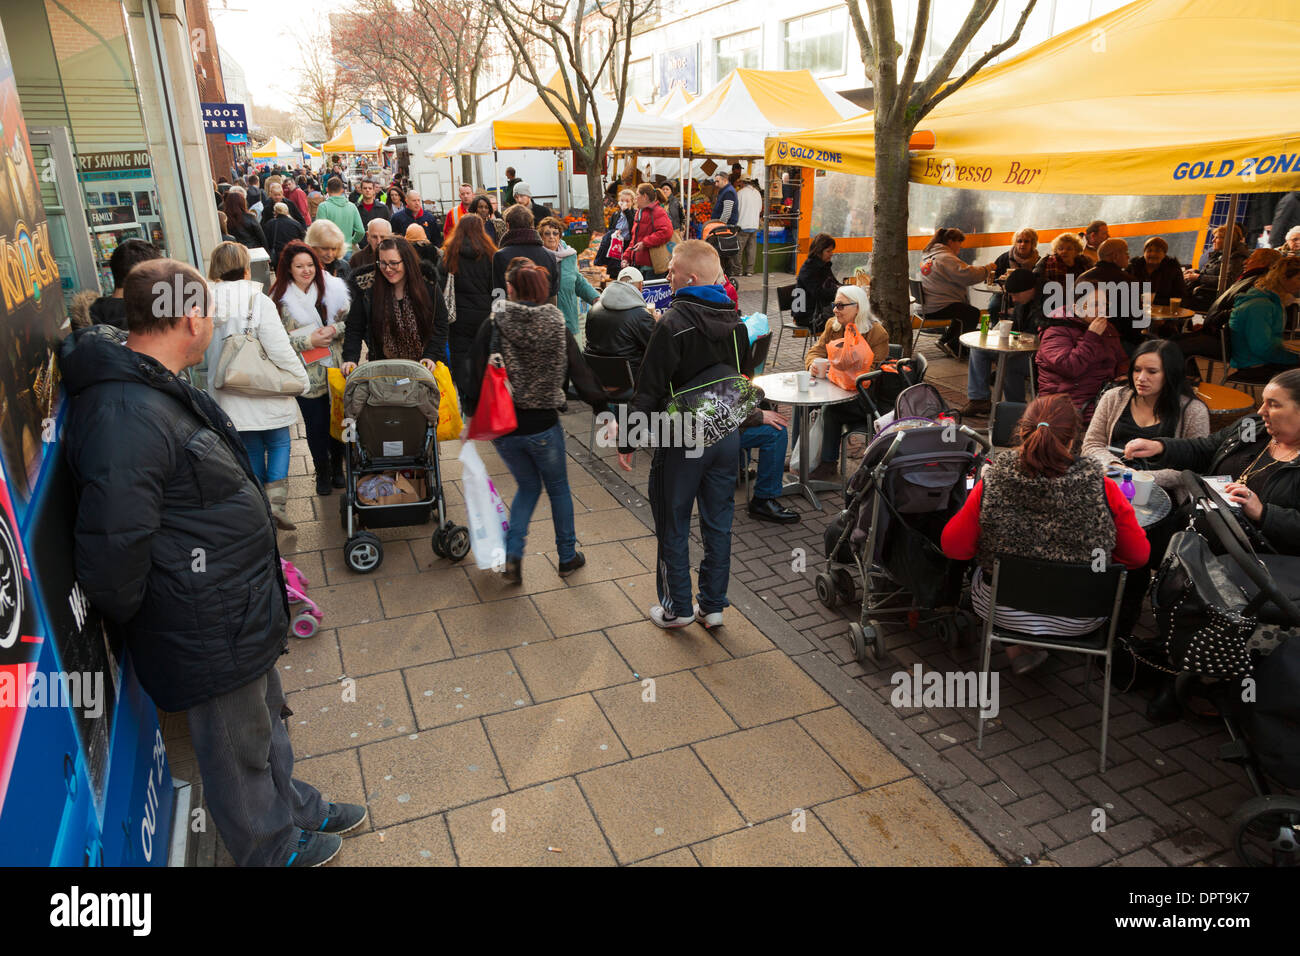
column 738, row 51
column 816, row 42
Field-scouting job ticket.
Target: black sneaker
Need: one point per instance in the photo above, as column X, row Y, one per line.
column 342, row 817
column 513, row 573
column 315, row 849
column 575, row 562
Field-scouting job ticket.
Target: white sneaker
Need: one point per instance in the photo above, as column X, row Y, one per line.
column 710, row 621
column 660, row 617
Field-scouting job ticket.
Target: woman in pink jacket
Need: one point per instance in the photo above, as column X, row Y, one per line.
column 1077, row 356
column 650, row 228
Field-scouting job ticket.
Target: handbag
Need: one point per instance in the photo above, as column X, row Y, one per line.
column 449, row 296
column 1202, row 615
column 713, row 404
column 495, row 415
column 243, row 367
column 337, row 382
column 659, row 256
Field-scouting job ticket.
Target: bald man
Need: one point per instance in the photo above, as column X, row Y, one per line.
column 699, row 339
column 376, row 232
column 1116, row 292
column 416, row 213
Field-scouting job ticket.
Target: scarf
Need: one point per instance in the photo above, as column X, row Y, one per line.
column 301, row 306
column 1027, row 263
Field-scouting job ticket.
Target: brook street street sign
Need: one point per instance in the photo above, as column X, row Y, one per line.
column 224, row 118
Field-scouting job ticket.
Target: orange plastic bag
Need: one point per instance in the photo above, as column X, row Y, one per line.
column 850, row 357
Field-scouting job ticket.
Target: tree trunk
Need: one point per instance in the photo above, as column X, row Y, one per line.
column 467, row 168
column 595, row 196
column 889, row 267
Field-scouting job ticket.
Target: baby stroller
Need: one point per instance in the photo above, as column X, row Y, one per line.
column 913, row 478
column 394, row 478
column 306, row 622
column 726, row 240
column 1214, row 584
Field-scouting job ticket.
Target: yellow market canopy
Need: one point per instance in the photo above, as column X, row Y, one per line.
column 1159, row 97
column 355, row 138
column 308, row 148
column 528, row 123
column 274, row 147
column 674, row 103
column 734, row 117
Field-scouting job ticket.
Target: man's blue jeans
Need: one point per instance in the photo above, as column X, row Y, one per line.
column 538, row 461
column 269, row 453
column 677, row 482
column 770, row 440
column 980, row 369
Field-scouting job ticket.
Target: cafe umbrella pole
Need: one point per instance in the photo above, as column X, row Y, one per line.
column 1229, row 239
column 767, row 235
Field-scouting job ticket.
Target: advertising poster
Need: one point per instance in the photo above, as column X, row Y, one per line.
column 83, row 774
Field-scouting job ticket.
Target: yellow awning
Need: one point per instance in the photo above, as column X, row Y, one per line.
column 308, row 148
column 355, row 138
column 274, row 147
column 528, row 123
column 1159, row 97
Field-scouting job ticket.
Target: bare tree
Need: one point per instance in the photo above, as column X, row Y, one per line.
column 541, row 30
column 325, row 94
column 900, row 104
column 425, row 58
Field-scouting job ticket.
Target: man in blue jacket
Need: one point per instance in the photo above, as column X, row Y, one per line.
column 174, row 544
column 726, row 205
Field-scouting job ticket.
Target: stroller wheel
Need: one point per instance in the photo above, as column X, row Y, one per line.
column 305, row 625
column 826, row 591
column 858, row 639
column 1266, row 831
column 363, row 552
column 876, row 633
column 456, row 541
column 440, row 543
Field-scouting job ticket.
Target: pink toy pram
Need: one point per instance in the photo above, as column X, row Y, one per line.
column 307, row 621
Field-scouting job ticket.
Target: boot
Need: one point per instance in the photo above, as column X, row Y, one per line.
column 277, row 492
column 323, row 484
column 336, row 468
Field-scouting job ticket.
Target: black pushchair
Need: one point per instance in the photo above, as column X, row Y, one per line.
column 394, row 477
column 1230, row 619
column 913, row 478
column 726, row 240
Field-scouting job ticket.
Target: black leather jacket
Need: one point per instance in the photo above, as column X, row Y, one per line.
column 174, row 542
column 360, row 326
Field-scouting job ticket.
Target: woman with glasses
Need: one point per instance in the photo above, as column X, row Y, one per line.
column 398, row 309
column 850, row 306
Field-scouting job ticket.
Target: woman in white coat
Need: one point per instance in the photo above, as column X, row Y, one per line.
column 314, row 307
column 263, row 421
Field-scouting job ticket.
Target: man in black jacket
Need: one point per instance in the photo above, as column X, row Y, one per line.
column 174, row 544
column 369, row 205
column 109, row 309
column 280, row 230
column 620, row 324
column 699, row 331
column 522, row 240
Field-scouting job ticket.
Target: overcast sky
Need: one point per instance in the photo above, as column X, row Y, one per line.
column 263, row 39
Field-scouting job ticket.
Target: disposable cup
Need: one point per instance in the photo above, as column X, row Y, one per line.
column 803, row 381
column 1143, row 483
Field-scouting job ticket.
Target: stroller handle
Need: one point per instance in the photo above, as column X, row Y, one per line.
column 866, row 378
column 978, row 437
column 1231, row 538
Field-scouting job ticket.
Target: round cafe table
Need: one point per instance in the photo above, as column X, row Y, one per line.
column 1165, row 313
column 1226, row 404
column 780, row 388
column 1157, row 507
column 1003, row 346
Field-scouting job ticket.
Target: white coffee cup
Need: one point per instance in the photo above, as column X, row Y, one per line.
column 803, row 381
column 819, row 367
column 1143, row 483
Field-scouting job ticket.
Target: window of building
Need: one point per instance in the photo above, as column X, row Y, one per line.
column 640, row 80
column 816, row 42
column 740, row 50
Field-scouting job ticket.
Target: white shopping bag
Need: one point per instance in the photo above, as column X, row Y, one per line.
column 486, row 511
column 814, row 443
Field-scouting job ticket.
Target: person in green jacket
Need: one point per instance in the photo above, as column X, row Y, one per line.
column 1258, row 319
column 342, row 213
column 572, row 282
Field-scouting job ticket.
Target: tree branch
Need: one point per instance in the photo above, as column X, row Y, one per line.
column 978, row 65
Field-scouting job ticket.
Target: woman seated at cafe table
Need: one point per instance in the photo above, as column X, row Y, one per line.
column 1157, row 267
column 1077, row 355
column 1158, row 402
column 1258, row 319
column 1045, row 501
column 1259, row 454
column 1204, row 339
column 1065, row 259
column 850, row 306
column 1023, row 254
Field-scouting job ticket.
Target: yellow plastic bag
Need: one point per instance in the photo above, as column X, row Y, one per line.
column 336, row 382
column 449, row 420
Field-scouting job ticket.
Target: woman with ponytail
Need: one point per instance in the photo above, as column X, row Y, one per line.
column 1045, row 501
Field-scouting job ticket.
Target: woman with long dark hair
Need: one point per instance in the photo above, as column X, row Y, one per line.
column 314, row 308
column 397, row 309
column 539, row 355
column 467, row 260
column 1157, row 402
column 817, row 282
column 243, row 225
column 495, row 226
column 1045, row 501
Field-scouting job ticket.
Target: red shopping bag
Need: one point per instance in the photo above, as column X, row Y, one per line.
column 495, row 415
column 850, row 357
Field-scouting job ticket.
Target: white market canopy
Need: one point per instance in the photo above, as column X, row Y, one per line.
column 355, row 138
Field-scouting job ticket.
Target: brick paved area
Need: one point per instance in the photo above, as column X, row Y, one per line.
column 462, row 686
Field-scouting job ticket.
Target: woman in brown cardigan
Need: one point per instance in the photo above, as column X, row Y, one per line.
column 850, row 306
column 1157, row 403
